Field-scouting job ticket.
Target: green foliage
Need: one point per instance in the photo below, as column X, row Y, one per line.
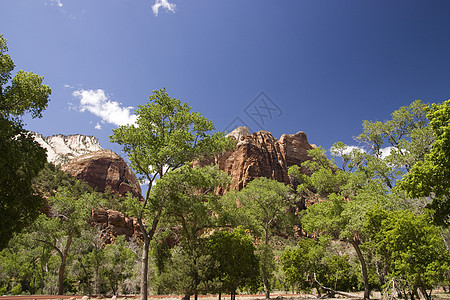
column 192, row 202
column 51, row 178
column 237, row 264
column 117, row 264
column 166, row 136
column 21, row 158
column 412, row 246
column 188, row 272
column 262, row 207
column 313, row 258
column 193, row 207
column 407, row 133
column 26, row 92
column 431, row 177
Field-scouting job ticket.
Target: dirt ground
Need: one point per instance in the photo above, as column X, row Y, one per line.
column 438, row 295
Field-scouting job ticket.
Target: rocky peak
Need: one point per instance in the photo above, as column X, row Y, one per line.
column 295, row 148
column 261, row 155
column 62, row 148
column 239, row 133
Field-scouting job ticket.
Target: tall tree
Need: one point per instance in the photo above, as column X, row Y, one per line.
column 394, row 147
column 166, row 136
column 193, row 207
column 238, row 265
column 262, row 207
column 69, row 216
column 22, row 158
column 413, row 248
column 431, row 177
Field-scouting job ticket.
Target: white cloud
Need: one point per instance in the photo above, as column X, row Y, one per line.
column 56, row 3
column 97, row 103
column 386, row 152
column 164, row 4
column 98, row 126
column 349, row 149
column 68, row 86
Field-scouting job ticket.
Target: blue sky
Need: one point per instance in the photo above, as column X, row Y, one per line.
column 321, row 67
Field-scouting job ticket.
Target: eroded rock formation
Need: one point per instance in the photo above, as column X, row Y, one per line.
column 62, row 148
column 112, row 223
column 261, row 155
column 104, row 169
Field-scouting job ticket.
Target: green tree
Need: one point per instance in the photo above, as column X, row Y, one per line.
column 166, row 136
column 431, row 177
column 69, row 216
column 300, row 263
column 349, row 193
column 367, row 179
column 312, row 262
column 262, row 206
column 22, row 158
column 238, row 265
column 117, row 265
column 193, row 207
column 413, row 248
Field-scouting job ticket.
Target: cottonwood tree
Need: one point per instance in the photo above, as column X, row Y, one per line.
column 237, row 264
column 311, row 264
column 431, row 177
column 369, row 179
column 69, row 216
column 166, row 136
column 22, row 158
column 262, row 206
column 413, row 248
column 193, row 207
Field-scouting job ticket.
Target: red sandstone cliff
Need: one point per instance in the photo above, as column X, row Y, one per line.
column 261, row 155
column 104, row 169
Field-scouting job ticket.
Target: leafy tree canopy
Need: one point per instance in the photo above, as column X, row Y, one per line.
column 22, row 158
column 431, row 177
column 166, row 136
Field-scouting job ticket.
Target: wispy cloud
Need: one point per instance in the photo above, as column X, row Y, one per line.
column 97, row 103
column 57, row 3
column 163, row 4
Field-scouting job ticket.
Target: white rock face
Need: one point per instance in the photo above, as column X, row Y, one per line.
column 61, row 148
column 240, row 132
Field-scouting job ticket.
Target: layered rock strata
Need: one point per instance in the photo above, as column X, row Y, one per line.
column 104, row 169
column 62, row 148
column 261, row 155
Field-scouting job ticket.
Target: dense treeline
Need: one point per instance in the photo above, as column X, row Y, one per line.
column 379, row 221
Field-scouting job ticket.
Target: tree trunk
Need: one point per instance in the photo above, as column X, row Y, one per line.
column 144, row 271
column 62, row 267
column 87, row 279
column 264, row 271
column 363, row 269
column 380, row 273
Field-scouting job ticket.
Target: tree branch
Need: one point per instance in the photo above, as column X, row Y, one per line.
column 336, row 292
